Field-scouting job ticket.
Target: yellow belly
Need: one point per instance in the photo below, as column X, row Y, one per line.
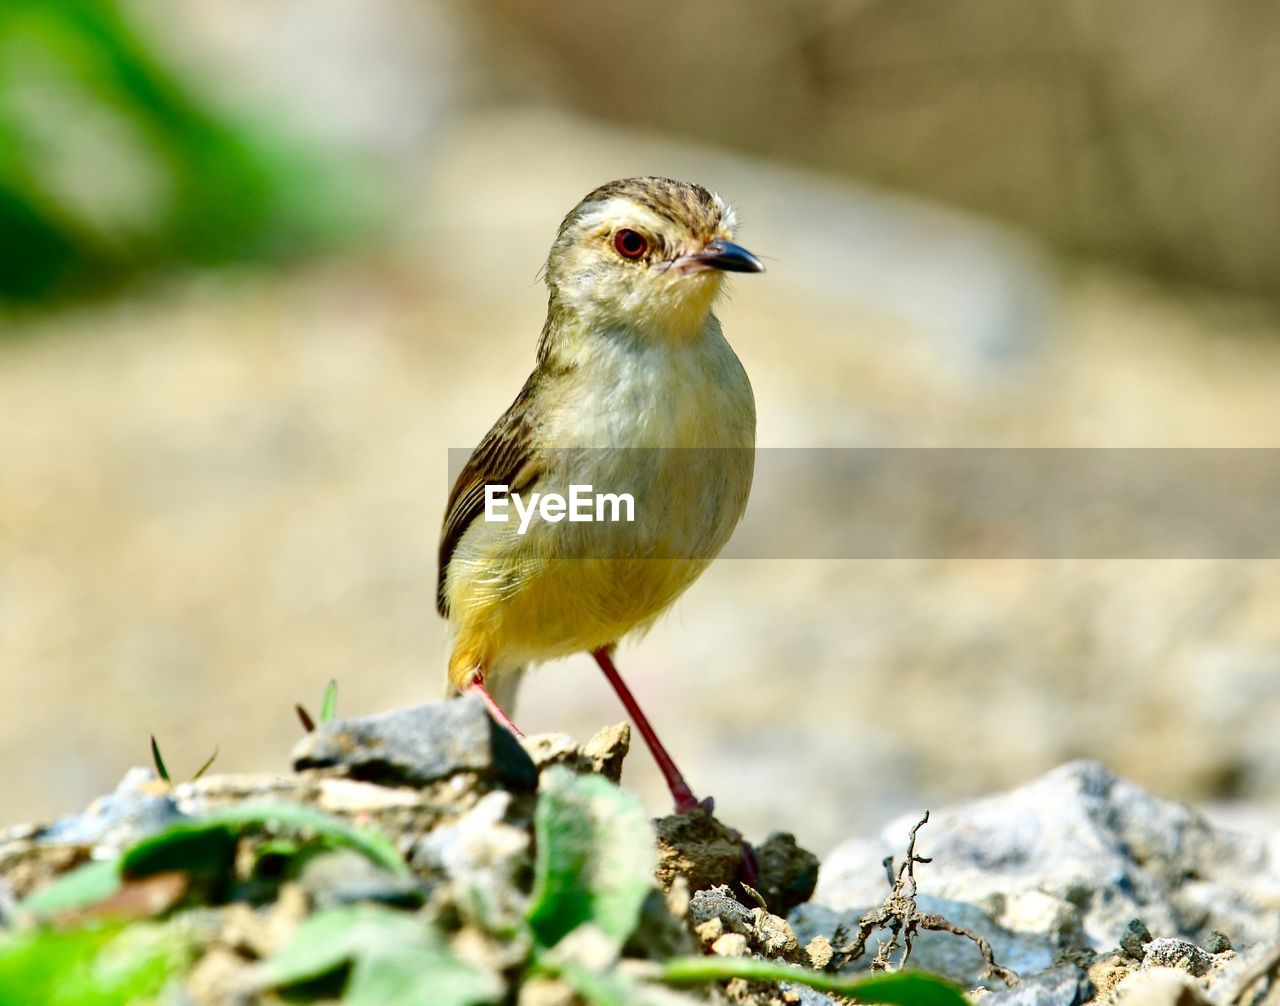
column 564, row 606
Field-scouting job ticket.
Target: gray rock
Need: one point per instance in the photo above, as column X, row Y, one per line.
column 139, row 805
column 946, row 954
column 1075, row 863
column 1217, row 943
column 717, row 902
column 420, row 745
column 1061, row 986
column 1136, row 936
column 1071, row 858
column 1171, row 953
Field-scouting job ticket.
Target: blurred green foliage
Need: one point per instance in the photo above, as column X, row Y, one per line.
column 109, row 163
column 98, row 965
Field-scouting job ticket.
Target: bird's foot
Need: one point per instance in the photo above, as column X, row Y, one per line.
column 687, row 803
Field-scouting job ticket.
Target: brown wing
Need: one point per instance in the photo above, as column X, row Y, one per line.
column 505, row 457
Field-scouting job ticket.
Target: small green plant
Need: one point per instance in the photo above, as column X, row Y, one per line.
column 162, row 770
column 328, row 708
column 593, row 869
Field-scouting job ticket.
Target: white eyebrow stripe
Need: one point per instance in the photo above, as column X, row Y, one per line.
column 618, row 211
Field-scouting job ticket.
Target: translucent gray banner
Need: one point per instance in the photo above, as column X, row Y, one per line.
column 918, row 503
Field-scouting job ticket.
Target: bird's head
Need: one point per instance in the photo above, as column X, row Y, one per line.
column 646, row 254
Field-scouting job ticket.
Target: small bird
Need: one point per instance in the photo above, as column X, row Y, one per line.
column 635, row 391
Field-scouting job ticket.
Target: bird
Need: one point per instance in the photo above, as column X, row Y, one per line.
column 635, row 392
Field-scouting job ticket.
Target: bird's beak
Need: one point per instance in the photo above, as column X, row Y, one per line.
column 723, row 255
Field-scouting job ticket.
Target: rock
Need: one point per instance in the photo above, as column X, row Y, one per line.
column 218, row 977
column 818, row 953
column 1136, row 936
column 140, row 804
column 719, row 905
column 952, row 956
column 420, row 745
column 697, row 847
column 730, row 945
column 660, row 932
column 540, row 991
column 772, row 937
column 1109, row 970
column 486, row 859
column 805, row 996
column 602, row 755
column 608, row 749
column 788, row 873
column 710, row 931
column 1060, row 986
column 1071, row 865
column 1159, row 987
column 1102, row 850
column 1171, row 953
column 546, row 750
column 1217, row 943
column 263, row 931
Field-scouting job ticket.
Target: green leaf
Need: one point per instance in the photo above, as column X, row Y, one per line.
column 595, row 857
column 329, row 707
column 90, row 966
column 207, row 844
column 208, row 763
column 203, row 847
column 374, row 845
column 161, row 770
column 396, row 960
column 905, row 988
column 82, row 886
column 419, row 976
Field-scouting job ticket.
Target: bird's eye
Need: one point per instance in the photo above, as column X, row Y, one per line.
column 629, row 243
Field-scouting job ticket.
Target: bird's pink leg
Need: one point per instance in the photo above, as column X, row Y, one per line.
column 495, row 710
column 680, row 791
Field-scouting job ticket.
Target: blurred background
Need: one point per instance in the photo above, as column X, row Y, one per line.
column 261, row 265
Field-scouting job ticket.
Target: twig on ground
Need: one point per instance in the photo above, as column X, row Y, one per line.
column 904, row 920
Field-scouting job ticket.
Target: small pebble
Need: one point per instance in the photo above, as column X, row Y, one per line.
column 773, row 935
column 1174, row 953
column 1136, row 936
column 819, row 952
column 730, row 945
column 710, row 931
column 1217, row 943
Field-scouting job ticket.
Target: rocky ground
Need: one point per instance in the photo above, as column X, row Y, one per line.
column 1078, row 887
